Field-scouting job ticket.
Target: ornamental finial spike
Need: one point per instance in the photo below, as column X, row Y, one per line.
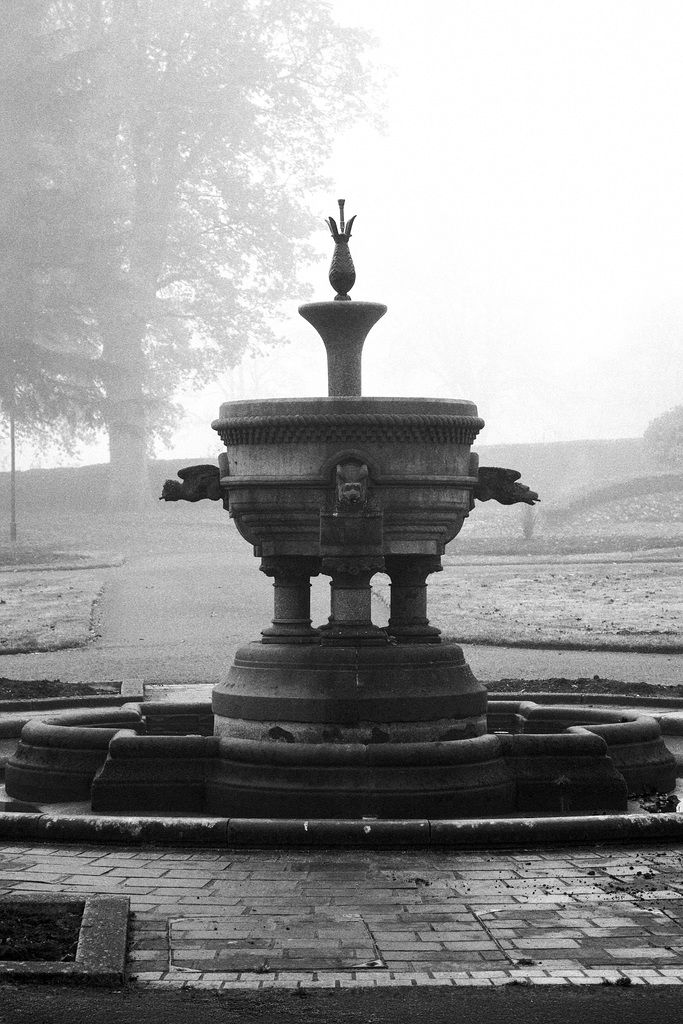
column 342, row 271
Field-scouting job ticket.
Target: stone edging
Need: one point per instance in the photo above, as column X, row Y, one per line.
column 458, row 834
column 587, row 697
column 91, row 700
column 102, row 563
column 130, row 689
column 668, row 711
column 101, row 953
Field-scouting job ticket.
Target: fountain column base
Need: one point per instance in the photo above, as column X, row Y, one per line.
column 355, row 731
column 408, row 622
column 291, row 600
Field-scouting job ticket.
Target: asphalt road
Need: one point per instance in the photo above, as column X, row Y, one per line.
column 499, row 1005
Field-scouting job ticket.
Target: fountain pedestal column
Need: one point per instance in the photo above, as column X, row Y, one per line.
column 343, row 329
column 291, row 600
column 350, row 622
column 408, row 622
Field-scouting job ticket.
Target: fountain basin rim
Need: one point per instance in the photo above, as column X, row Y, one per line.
column 255, row 833
column 347, row 406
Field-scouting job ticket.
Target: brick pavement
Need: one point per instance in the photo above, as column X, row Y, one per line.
column 259, row 919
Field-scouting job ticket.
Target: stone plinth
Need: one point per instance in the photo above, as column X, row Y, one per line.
column 349, row 695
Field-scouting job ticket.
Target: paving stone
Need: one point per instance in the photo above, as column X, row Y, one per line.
column 549, row 942
column 538, row 905
column 646, row 953
column 473, row 982
column 469, row 965
column 478, row 944
column 408, row 946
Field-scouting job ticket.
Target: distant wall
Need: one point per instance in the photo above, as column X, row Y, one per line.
column 81, row 489
column 557, row 470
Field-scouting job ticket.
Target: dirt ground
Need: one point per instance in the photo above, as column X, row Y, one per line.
column 594, row 602
column 47, row 611
column 601, row 605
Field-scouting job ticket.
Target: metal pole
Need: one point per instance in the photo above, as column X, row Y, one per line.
column 12, row 479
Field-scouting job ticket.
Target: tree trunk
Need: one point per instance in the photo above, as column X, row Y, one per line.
column 156, row 163
column 13, row 478
column 127, row 417
column 129, row 486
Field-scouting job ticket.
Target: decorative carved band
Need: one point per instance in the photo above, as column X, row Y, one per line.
column 358, row 427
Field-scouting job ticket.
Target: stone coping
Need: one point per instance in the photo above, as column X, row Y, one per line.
column 101, row 952
column 588, row 697
column 15, row 712
column 668, row 711
column 132, row 689
column 368, row 833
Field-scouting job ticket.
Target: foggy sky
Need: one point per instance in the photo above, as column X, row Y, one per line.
column 522, row 218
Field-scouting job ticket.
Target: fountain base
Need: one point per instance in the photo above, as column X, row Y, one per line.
column 398, row 733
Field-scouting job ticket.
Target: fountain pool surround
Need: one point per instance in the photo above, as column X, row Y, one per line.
column 346, row 719
column 164, row 758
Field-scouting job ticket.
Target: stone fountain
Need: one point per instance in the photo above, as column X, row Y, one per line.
column 347, row 719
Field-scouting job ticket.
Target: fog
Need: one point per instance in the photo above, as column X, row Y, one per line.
column 522, row 218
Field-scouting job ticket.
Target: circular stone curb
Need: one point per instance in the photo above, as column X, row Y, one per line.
column 587, row 697
column 458, row 834
column 667, row 711
column 48, row 704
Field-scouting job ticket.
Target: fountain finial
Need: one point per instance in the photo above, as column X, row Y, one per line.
column 342, row 271
column 342, row 325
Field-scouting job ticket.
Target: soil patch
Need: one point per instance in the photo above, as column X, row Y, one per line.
column 46, row 932
column 21, row 689
column 594, row 685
